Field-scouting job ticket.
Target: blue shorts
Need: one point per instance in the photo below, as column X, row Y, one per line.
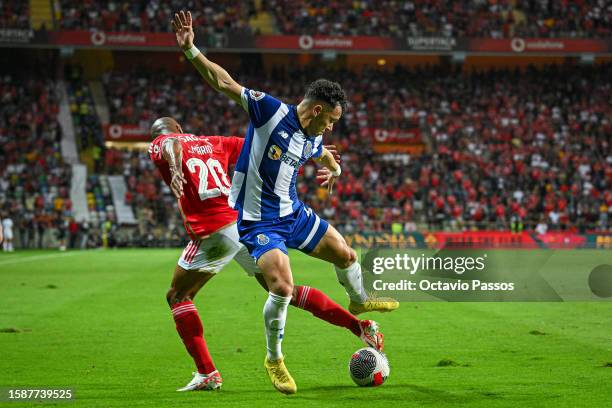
column 301, row 230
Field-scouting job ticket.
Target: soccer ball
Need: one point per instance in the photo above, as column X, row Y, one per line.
column 369, row 367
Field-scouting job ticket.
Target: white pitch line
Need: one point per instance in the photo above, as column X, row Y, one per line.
column 36, row 258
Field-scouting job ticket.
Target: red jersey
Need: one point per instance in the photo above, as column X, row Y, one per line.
column 205, row 162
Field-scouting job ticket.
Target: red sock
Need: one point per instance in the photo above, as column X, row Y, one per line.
column 320, row 305
column 189, row 327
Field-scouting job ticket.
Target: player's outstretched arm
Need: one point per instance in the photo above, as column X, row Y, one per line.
column 216, row 76
column 172, row 152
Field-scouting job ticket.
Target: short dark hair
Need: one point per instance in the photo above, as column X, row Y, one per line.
column 327, row 91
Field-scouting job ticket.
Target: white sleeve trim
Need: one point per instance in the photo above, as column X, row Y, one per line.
column 243, row 99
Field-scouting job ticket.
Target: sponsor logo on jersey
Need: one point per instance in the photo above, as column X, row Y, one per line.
column 274, row 152
column 283, row 134
column 288, row 160
column 308, row 149
column 256, row 95
column 262, row 239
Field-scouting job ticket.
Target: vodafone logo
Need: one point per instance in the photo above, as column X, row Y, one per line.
column 98, row 38
column 537, row 45
column 306, row 42
column 517, row 45
column 381, row 135
column 115, row 131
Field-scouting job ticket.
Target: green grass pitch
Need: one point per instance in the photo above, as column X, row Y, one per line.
column 97, row 321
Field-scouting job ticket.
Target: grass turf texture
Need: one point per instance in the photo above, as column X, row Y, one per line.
column 97, row 321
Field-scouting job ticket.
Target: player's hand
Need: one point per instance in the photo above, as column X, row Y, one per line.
column 326, row 179
column 182, row 26
column 334, row 151
column 177, row 181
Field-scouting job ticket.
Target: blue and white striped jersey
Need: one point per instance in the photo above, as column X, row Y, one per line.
column 275, row 146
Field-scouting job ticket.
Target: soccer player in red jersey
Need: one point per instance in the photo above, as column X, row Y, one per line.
column 195, row 168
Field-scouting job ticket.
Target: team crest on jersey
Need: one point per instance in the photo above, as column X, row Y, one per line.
column 262, row 239
column 274, row 152
column 308, row 149
column 256, row 95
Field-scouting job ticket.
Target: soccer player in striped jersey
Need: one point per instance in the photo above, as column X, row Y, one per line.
column 196, row 170
column 271, row 218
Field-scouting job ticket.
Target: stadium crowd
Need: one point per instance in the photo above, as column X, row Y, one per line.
column 464, row 18
column 159, row 222
column 14, row 14
column 503, row 150
column 34, row 181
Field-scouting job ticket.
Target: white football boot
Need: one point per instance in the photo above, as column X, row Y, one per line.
column 370, row 334
column 202, row 382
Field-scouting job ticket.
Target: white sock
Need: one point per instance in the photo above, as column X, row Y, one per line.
column 352, row 281
column 275, row 314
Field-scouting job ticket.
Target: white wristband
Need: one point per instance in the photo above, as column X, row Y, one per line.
column 192, row 53
column 337, row 173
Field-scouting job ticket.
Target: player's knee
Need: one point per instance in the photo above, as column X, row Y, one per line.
column 170, row 296
column 173, row 297
column 346, row 257
column 281, row 287
column 284, row 289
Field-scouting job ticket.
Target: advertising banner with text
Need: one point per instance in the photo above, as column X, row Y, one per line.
column 125, row 133
column 307, row 43
column 539, row 46
column 481, row 239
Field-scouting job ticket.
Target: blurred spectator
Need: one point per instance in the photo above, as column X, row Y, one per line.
column 7, row 233
column 84, row 234
column 73, row 231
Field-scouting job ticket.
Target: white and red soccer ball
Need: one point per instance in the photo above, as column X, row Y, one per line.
column 369, row 367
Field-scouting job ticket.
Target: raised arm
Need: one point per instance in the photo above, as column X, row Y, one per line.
column 216, row 76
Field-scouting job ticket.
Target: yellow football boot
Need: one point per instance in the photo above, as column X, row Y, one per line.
column 374, row 304
column 281, row 379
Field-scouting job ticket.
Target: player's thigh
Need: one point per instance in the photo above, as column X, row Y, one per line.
column 333, row 248
column 276, row 270
column 211, row 254
column 247, row 262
